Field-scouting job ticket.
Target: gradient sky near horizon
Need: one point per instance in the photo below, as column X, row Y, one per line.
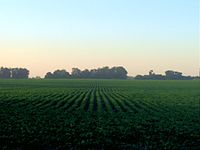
column 44, row 35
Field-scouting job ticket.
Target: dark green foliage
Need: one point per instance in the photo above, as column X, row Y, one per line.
column 58, row 74
column 169, row 75
column 19, row 73
column 49, row 75
column 5, row 73
column 99, row 114
column 14, row 73
column 100, row 73
column 76, row 73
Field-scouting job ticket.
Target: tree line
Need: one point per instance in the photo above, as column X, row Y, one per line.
column 169, row 75
column 100, row 73
column 14, row 73
column 118, row 72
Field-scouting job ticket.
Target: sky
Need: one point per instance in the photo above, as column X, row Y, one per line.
column 45, row 35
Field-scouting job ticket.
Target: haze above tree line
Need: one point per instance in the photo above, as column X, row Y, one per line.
column 118, row 72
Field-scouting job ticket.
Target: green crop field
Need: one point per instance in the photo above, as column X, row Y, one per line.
column 99, row 114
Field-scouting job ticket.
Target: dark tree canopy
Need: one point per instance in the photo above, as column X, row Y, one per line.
column 76, row 73
column 19, row 73
column 119, row 72
column 58, row 74
column 100, row 73
column 49, row 75
column 109, row 73
column 85, row 73
column 169, row 75
column 172, row 75
column 14, row 73
column 61, row 74
column 5, row 73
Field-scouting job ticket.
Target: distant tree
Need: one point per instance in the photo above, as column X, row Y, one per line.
column 173, row 75
column 48, row 75
column 5, row 73
column 139, row 77
column 169, row 75
column 57, row 74
column 130, row 78
column 151, row 73
column 100, row 73
column 85, row 74
column 93, row 73
column 37, row 77
column 107, row 73
column 104, row 73
column 119, row 72
column 19, row 73
column 61, row 74
column 76, row 73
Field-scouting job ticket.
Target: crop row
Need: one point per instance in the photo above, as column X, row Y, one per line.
column 94, row 99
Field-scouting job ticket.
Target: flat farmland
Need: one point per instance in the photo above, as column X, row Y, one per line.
column 99, row 114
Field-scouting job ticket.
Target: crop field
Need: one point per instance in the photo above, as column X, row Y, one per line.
column 99, row 114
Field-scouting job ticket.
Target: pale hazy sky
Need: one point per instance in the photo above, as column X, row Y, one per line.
column 44, row 35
